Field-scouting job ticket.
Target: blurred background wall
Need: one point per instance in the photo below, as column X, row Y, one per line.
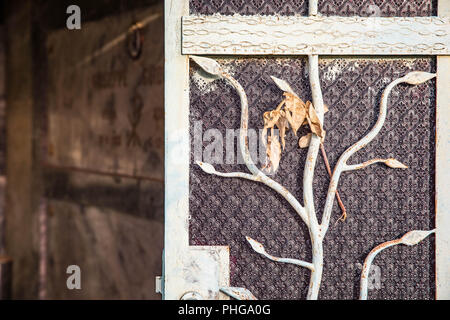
column 83, row 128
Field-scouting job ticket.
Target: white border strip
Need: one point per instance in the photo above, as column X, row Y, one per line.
column 443, row 169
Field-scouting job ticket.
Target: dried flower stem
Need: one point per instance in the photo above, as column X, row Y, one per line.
column 338, row 197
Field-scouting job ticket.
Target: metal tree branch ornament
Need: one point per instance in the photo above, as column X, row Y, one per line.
column 410, row 239
column 295, row 114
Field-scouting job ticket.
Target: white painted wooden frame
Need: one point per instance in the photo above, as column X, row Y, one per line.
column 186, row 269
column 205, row 269
column 299, row 35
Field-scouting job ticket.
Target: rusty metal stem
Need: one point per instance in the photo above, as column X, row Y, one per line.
column 368, row 263
column 338, row 197
column 410, row 238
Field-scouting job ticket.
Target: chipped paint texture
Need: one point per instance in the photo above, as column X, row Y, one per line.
column 238, row 293
column 411, row 238
column 204, row 83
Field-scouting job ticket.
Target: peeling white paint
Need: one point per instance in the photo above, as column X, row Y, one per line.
column 332, row 71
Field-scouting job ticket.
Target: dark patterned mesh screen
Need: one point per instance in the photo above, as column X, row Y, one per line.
column 382, row 203
column 387, row 8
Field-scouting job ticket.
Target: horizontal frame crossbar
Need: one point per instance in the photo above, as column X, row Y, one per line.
column 299, row 35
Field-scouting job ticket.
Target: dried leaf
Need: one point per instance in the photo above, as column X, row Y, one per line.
column 273, row 151
column 295, row 111
column 418, row 77
column 325, row 110
column 393, row 163
column 206, row 167
column 209, row 65
column 238, row 293
column 283, row 85
column 305, row 140
column 292, row 101
column 297, row 119
column 414, row 237
column 314, row 122
column 258, row 247
column 282, row 125
column 270, row 120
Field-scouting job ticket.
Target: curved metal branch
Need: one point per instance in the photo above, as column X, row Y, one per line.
column 206, row 167
column 362, row 165
column 411, row 238
column 243, row 142
column 389, row 162
column 259, row 248
column 411, row 78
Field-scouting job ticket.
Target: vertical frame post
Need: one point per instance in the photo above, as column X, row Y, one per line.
column 188, row 271
column 443, row 169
